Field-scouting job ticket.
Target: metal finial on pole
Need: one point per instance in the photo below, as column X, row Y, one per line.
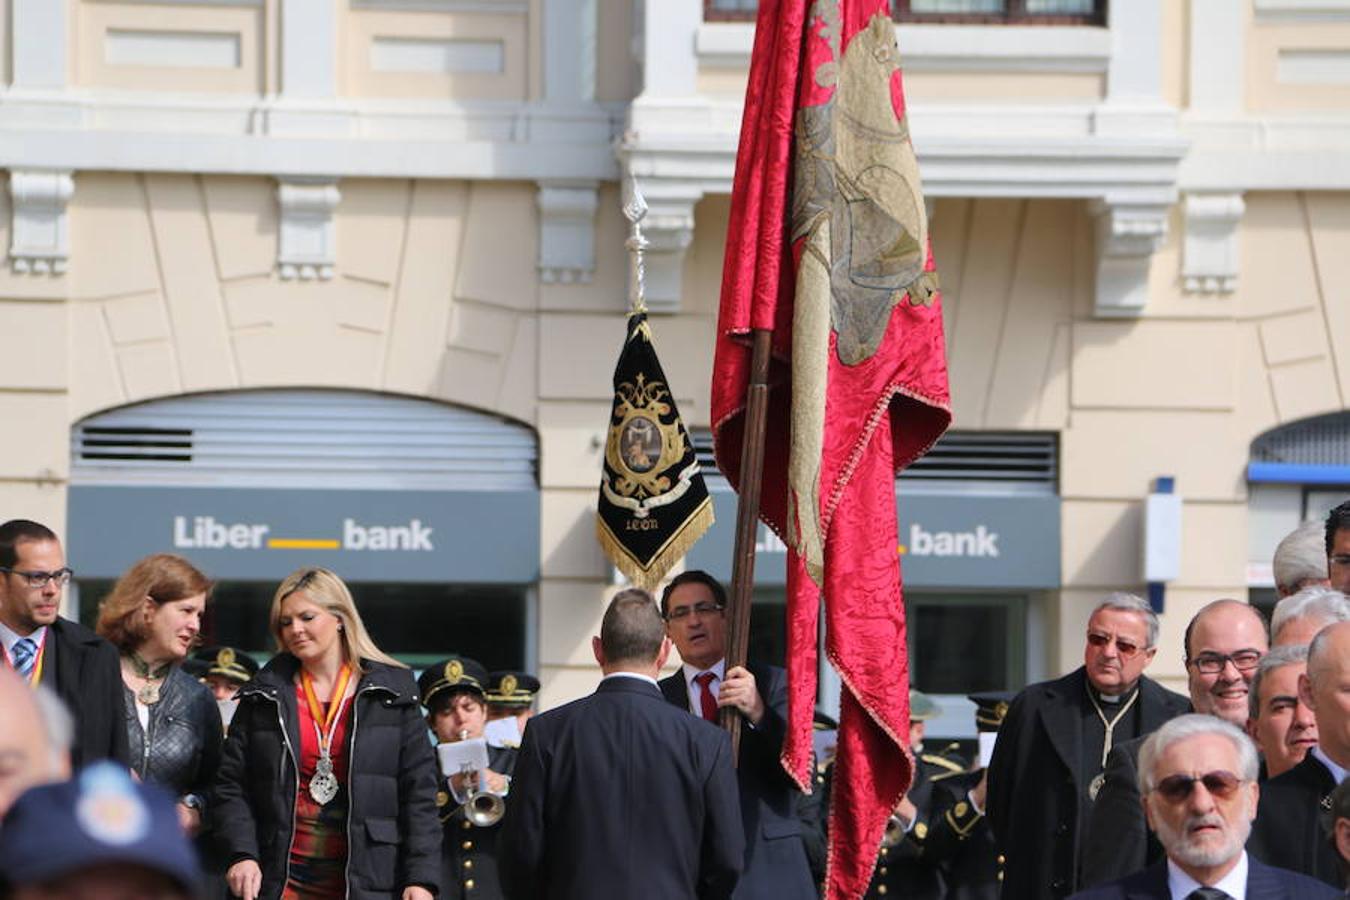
column 635, row 209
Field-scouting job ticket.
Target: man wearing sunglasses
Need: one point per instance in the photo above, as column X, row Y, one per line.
column 44, row 648
column 1289, row 831
column 1047, row 764
column 1224, row 643
column 1198, row 780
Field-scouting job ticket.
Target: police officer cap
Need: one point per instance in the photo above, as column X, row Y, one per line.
column 515, row 689
column 456, row 673
column 921, row 706
column 100, row 816
column 990, row 708
column 227, row 662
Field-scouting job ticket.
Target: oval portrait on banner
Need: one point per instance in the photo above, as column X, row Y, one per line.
column 641, row 441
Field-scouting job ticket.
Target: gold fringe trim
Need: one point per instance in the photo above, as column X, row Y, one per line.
column 649, row 576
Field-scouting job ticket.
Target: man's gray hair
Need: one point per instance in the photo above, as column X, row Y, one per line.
column 59, row 725
column 1135, row 604
column 1299, row 558
column 1277, row 658
column 1194, row 725
column 1319, row 602
column 1319, row 654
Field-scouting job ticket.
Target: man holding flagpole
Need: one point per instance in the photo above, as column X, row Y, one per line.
column 827, row 255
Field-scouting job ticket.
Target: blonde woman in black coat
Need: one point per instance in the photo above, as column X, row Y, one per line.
column 328, row 783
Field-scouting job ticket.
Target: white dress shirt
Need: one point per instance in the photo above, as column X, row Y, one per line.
column 695, row 692
column 9, row 638
column 638, row 675
column 1234, row 884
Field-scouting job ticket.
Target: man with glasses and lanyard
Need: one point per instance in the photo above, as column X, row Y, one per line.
column 1198, row 780
column 1047, row 765
column 1224, row 642
column 44, row 648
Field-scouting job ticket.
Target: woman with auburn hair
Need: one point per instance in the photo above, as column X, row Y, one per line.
column 153, row 616
column 328, row 784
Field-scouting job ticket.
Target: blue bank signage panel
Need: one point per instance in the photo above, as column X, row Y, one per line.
column 259, row 534
column 949, row 541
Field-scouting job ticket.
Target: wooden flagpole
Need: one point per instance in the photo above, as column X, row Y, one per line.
column 747, row 519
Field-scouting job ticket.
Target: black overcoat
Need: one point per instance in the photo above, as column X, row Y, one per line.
column 1035, row 780
column 394, row 835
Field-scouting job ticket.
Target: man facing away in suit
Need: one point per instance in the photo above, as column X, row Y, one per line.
column 1289, row 831
column 618, row 795
column 694, row 607
column 45, row 648
column 1197, row 775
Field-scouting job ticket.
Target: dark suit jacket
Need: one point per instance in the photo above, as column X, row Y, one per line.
column 1263, row 883
column 1288, row 832
column 619, row 796
column 1035, row 782
column 86, row 673
column 775, row 858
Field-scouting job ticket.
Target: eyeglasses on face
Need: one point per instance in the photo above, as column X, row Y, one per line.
column 39, row 579
column 1213, row 663
column 703, row 608
column 1176, row 788
column 1124, row 646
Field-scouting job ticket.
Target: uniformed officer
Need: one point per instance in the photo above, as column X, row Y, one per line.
column 223, row 669
column 902, row 869
column 959, row 841
column 453, row 691
column 510, row 699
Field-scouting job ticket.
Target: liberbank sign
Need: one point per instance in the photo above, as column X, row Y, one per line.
column 946, row 541
column 464, row 537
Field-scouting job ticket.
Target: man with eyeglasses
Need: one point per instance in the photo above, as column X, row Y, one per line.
column 1198, row 780
column 44, row 648
column 1289, row 831
column 1046, row 769
column 1338, row 547
column 694, row 608
column 1224, row 643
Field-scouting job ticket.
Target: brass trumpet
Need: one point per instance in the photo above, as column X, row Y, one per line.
column 482, row 807
column 895, row 831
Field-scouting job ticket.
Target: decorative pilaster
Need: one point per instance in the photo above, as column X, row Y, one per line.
column 1127, row 236
column 1211, row 246
column 307, row 239
column 40, row 228
column 567, row 231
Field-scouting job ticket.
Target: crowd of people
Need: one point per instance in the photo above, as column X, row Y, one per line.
column 134, row 764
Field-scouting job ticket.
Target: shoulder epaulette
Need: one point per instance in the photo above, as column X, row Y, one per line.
column 944, row 762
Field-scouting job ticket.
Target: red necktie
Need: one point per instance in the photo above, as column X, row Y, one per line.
column 706, row 698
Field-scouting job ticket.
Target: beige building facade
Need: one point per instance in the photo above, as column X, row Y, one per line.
column 1142, row 229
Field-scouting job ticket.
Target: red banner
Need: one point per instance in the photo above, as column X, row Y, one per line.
column 827, row 248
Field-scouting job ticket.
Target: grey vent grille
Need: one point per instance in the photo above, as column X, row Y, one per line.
column 1320, row 441
column 989, row 457
column 303, row 438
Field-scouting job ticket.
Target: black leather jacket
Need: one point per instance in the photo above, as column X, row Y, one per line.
column 180, row 749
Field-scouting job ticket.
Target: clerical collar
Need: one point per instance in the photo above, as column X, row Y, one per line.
column 1112, row 699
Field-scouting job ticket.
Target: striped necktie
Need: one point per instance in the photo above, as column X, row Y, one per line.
column 24, row 653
